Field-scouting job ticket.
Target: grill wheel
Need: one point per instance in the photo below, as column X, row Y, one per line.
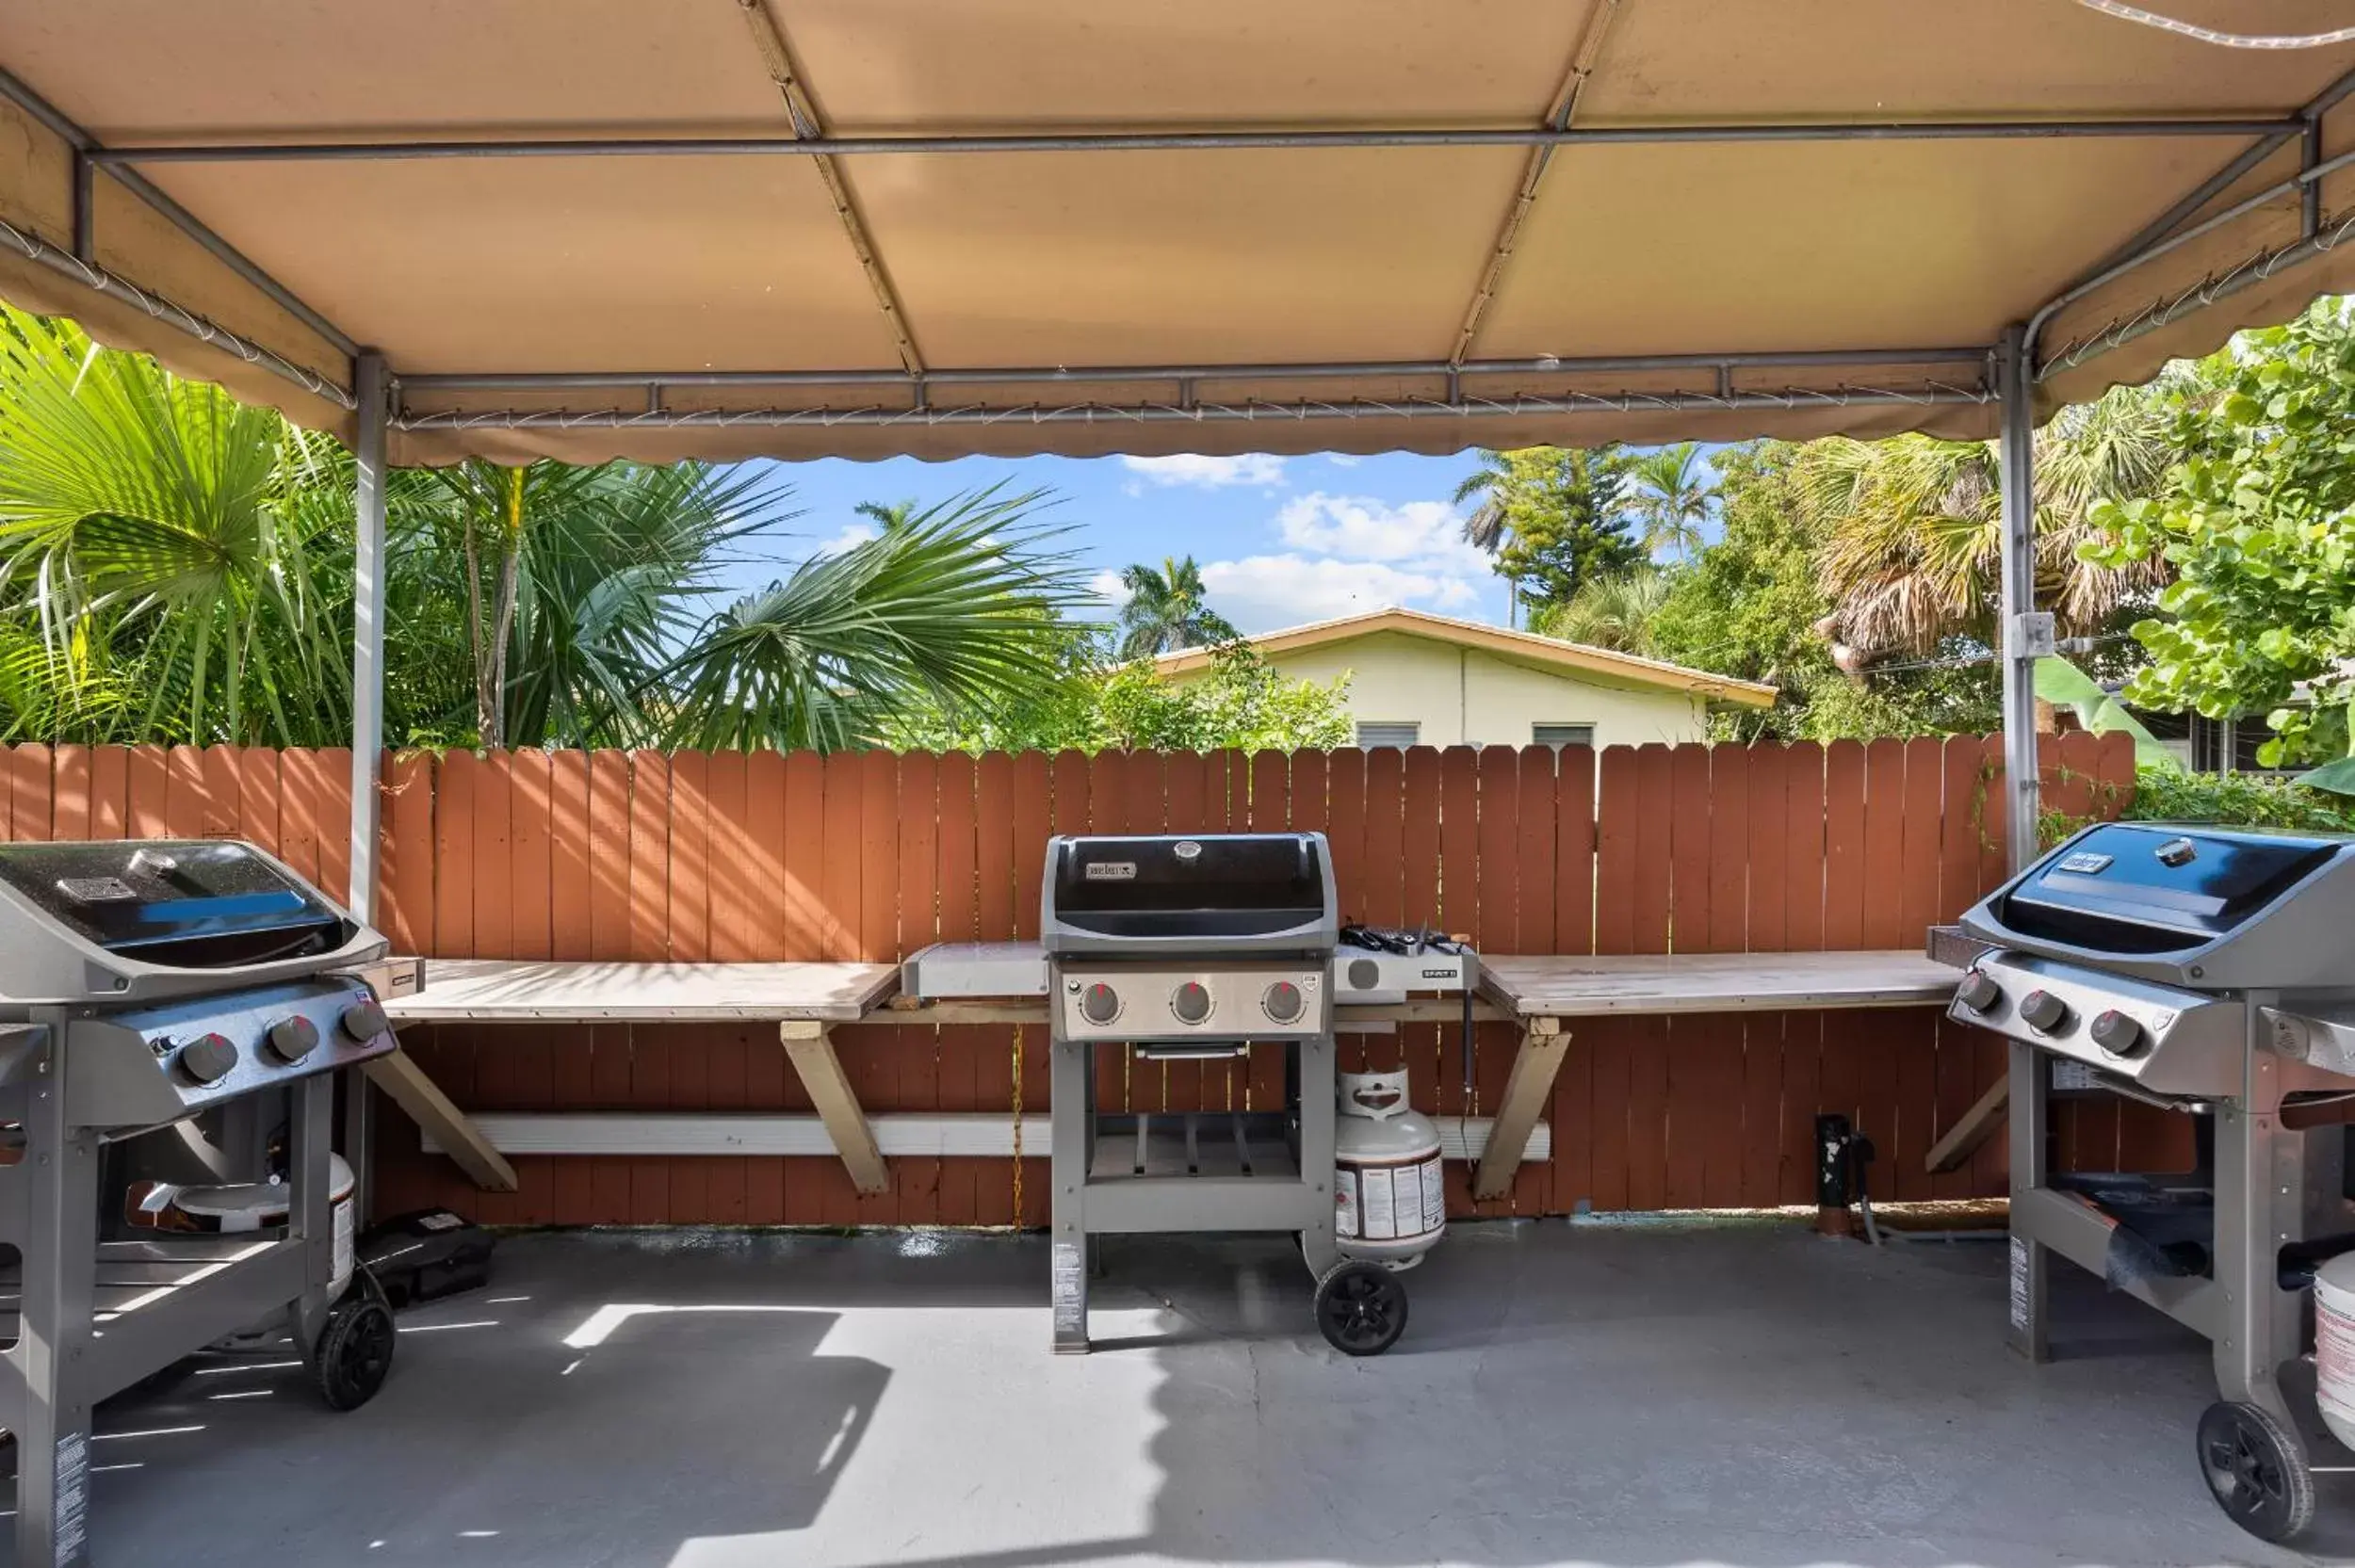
column 2255, row 1471
column 354, row 1353
column 1361, row 1307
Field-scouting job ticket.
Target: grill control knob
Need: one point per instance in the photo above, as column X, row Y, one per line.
column 1282, row 1002
column 2043, row 1011
column 292, row 1038
column 1190, row 1002
column 1099, row 1002
column 364, row 1020
column 2118, row 1034
column 1979, row 991
column 207, row 1059
column 1364, row 973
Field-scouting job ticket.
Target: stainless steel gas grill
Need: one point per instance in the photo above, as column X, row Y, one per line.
column 2202, row 970
column 165, row 1006
column 1195, row 947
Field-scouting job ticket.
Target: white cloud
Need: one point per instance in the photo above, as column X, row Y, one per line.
column 1108, row 587
column 851, row 534
column 1191, row 468
column 1342, row 460
column 1429, row 535
column 1261, row 592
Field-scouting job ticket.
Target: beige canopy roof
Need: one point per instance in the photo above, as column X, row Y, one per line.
column 868, row 226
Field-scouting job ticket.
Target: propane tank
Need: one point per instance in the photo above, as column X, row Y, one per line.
column 1389, row 1199
column 2334, row 1346
column 253, row 1206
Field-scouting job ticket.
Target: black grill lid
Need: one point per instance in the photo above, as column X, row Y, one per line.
column 2139, row 888
column 191, row 904
column 1169, row 889
column 2205, row 908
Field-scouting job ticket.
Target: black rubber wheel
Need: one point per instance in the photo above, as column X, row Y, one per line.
column 2256, row 1471
column 355, row 1350
column 1361, row 1308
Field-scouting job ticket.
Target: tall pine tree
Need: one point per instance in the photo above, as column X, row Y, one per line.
column 1556, row 519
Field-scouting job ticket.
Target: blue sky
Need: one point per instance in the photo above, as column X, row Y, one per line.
column 1280, row 540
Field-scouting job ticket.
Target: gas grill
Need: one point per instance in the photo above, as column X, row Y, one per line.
column 1212, row 948
column 2211, row 972
column 165, row 1008
column 1199, row 947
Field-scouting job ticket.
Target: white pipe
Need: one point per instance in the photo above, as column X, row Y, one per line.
column 913, row 1133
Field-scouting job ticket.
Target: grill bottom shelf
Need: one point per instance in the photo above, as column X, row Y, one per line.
column 1176, row 1146
column 1200, row 1171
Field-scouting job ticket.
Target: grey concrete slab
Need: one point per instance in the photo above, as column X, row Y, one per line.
column 1636, row 1396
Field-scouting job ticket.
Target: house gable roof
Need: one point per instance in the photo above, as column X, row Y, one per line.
column 1612, row 667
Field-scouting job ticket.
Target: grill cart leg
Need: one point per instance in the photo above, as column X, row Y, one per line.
column 310, row 1135
column 59, row 1251
column 2251, row 1454
column 1073, row 1119
column 1314, row 1106
column 2031, row 1144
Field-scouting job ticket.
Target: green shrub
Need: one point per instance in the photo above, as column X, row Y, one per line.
column 2239, row 799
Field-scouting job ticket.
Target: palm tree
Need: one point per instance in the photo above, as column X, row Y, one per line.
column 1614, row 612
column 597, row 582
column 1672, row 495
column 896, row 515
column 954, row 610
column 153, row 571
column 1911, row 526
column 175, row 567
column 1491, row 483
column 1166, row 610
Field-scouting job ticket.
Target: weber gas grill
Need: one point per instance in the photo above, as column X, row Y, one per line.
column 2211, row 972
column 1190, row 949
column 165, row 1009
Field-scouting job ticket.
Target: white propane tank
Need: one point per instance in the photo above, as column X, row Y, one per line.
column 251, row 1205
column 2334, row 1346
column 1389, row 1199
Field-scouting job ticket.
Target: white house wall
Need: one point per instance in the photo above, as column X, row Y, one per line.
column 1465, row 696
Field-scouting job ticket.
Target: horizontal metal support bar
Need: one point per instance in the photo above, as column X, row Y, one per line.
column 1142, row 1206
column 2081, row 1234
column 2250, row 273
column 978, row 1135
column 1181, row 141
column 33, row 248
column 2297, row 183
column 1199, row 414
column 1544, row 364
column 89, row 154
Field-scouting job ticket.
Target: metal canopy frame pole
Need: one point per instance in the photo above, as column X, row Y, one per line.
column 2025, row 634
column 359, row 151
column 368, row 383
column 2018, row 627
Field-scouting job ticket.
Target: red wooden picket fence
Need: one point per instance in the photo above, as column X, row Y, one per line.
column 870, row 855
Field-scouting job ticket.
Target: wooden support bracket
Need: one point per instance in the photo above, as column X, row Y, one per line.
column 811, row 1048
column 1526, row 1091
column 1976, row 1125
column 406, row 1084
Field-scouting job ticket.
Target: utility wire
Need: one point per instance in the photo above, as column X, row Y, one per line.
column 2066, row 645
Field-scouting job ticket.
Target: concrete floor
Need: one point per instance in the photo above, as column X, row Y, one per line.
column 1625, row 1395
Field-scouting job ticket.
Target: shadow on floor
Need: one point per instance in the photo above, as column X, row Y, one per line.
column 1632, row 1395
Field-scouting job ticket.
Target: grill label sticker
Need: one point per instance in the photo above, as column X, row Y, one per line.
column 72, row 1505
column 1378, row 1196
column 1111, row 871
column 1067, row 1290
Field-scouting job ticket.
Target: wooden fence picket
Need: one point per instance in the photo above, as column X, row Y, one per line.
column 644, row 855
